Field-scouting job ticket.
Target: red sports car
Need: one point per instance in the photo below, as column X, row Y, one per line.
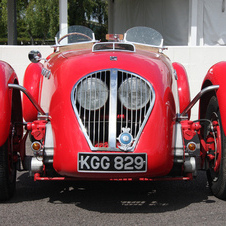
column 116, row 110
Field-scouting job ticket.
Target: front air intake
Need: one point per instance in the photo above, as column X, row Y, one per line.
column 112, row 107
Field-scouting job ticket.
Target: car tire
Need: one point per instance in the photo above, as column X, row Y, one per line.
column 7, row 172
column 216, row 172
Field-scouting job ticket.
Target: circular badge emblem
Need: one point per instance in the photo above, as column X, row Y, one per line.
column 125, row 139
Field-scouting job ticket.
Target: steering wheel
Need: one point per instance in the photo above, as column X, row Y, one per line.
column 74, row 33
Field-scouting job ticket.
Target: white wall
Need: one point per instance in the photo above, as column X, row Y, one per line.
column 196, row 60
column 17, row 57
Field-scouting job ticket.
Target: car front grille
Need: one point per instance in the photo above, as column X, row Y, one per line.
column 112, row 107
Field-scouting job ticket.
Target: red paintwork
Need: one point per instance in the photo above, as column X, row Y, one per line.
column 37, row 128
column 190, row 128
column 163, row 138
column 7, row 75
column 183, row 87
column 156, row 139
column 217, row 76
column 32, row 82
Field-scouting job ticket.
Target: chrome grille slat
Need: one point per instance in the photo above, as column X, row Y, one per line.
column 84, row 118
column 104, row 112
column 145, row 97
column 99, row 120
column 89, row 119
column 131, row 113
column 136, row 110
column 139, row 123
column 102, row 126
column 127, row 110
column 94, row 115
column 113, row 109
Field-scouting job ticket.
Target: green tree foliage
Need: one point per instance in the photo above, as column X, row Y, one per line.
column 39, row 19
column 21, row 19
column 42, row 19
column 90, row 13
column 3, row 18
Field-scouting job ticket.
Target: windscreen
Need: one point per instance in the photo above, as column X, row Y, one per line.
column 144, row 35
column 74, row 34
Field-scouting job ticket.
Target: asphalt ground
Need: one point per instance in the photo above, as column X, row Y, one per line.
column 112, row 203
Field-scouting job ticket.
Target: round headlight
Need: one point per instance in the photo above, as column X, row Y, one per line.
column 92, row 93
column 134, row 93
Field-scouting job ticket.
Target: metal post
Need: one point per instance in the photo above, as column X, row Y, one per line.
column 193, row 22
column 111, row 17
column 12, row 31
column 63, row 13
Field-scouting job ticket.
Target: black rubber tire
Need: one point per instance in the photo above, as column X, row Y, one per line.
column 7, row 173
column 217, row 180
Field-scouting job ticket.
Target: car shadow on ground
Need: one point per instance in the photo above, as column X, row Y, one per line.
column 116, row 197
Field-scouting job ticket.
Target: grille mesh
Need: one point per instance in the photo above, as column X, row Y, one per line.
column 102, row 126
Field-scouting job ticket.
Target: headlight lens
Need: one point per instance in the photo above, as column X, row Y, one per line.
column 92, row 94
column 134, row 93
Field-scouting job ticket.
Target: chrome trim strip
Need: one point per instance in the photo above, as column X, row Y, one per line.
column 49, row 145
column 114, row 47
column 178, row 146
column 113, row 109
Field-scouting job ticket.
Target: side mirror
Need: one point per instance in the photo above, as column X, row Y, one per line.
column 34, row 56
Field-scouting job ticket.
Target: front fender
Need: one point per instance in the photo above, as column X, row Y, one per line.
column 7, row 75
column 215, row 76
column 32, row 82
column 183, row 86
